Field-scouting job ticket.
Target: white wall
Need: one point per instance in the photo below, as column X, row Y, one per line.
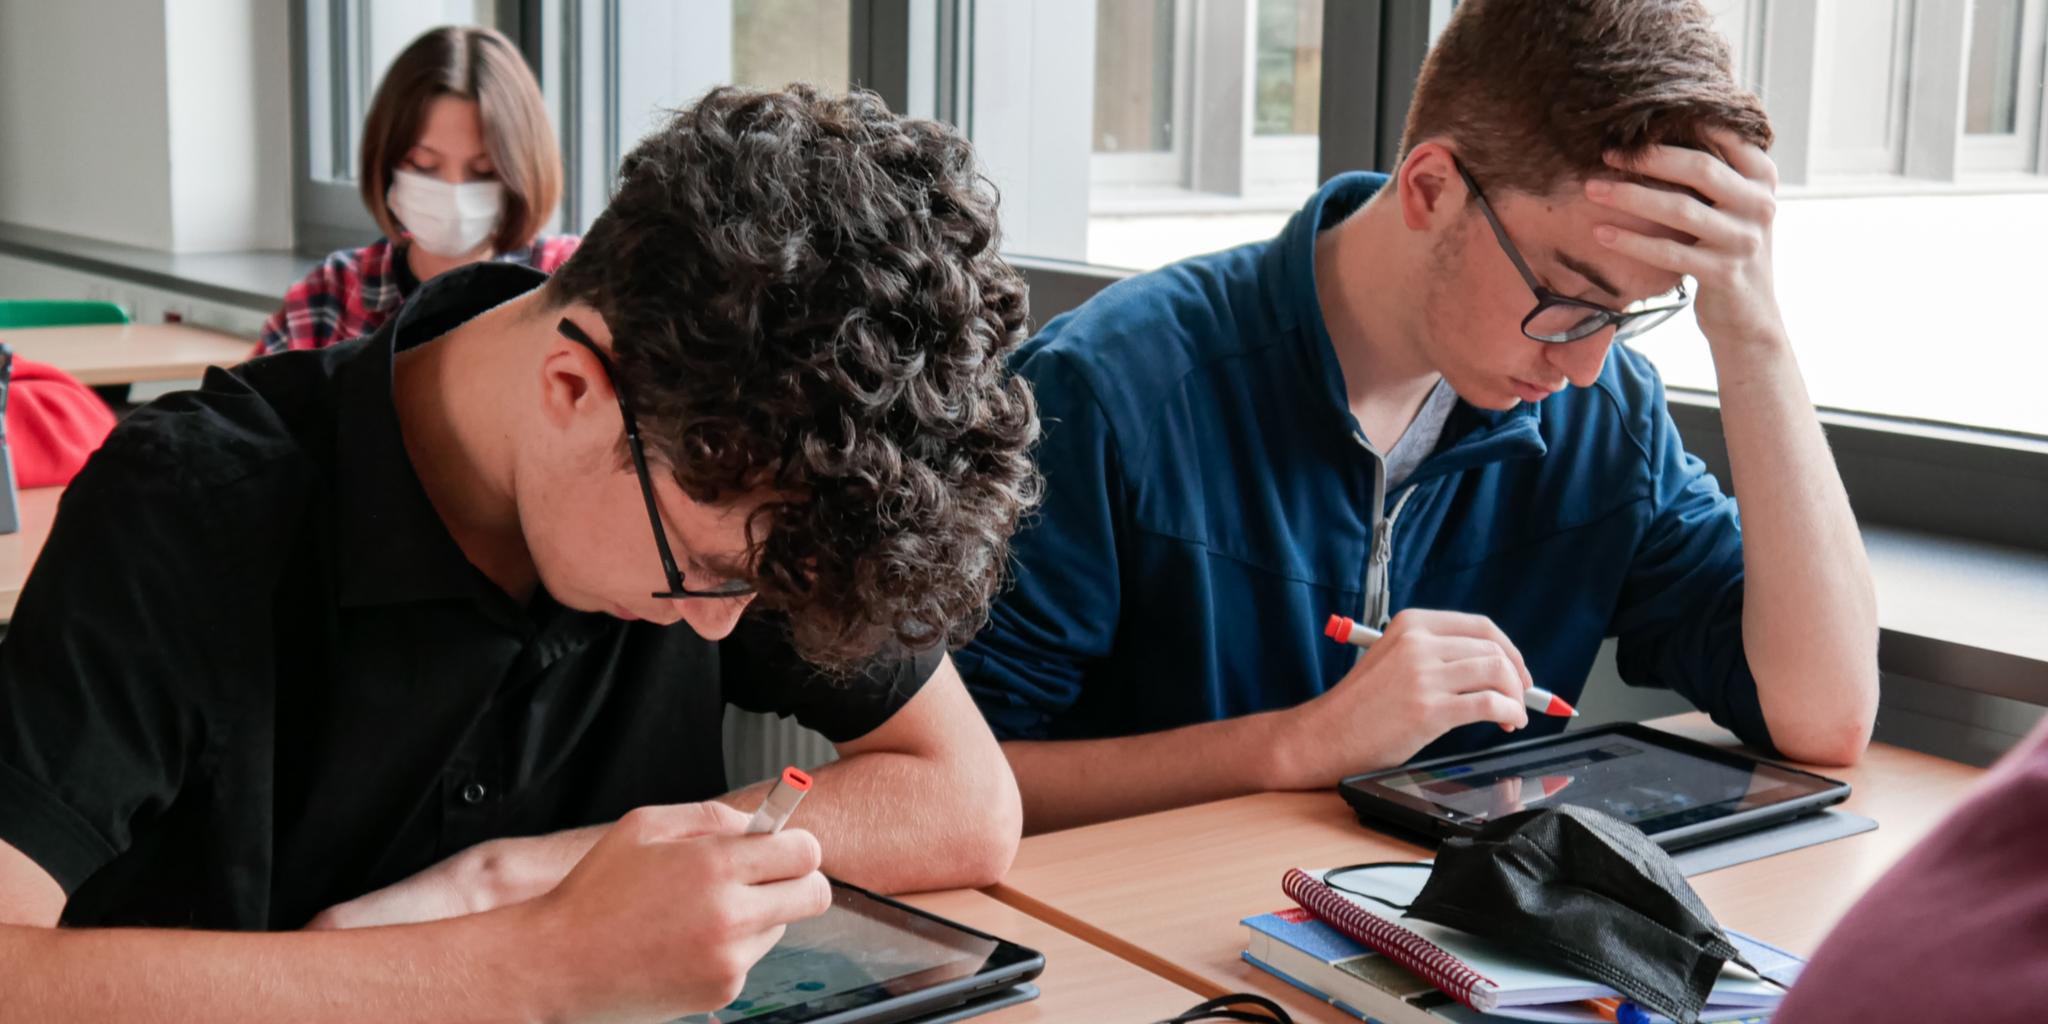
column 84, row 134
column 229, row 83
column 164, row 124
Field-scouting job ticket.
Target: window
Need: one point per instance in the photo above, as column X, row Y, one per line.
column 1202, row 130
column 1912, row 195
column 608, row 68
column 634, row 60
column 1862, row 76
column 666, row 54
column 1290, row 64
column 1992, row 104
column 2002, row 86
column 1136, row 86
column 1130, row 133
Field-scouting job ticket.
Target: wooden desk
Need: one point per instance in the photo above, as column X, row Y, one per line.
column 18, row 550
column 1166, row 891
column 1080, row 983
column 129, row 353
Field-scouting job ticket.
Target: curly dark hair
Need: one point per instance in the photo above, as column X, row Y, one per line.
column 805, row 295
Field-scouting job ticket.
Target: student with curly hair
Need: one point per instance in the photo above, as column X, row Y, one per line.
column 433, row 630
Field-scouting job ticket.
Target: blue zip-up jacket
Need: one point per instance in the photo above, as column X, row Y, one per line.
column 1210, row 501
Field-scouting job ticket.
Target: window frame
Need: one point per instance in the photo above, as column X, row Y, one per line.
column 1945, row 479
column 1888, row 158
column 1950, row 480
column 2016, row 153
column 1167, row 168
column 326, row 214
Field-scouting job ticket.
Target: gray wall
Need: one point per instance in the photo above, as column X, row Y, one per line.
column 164, row 124
column 229, row 82
column 84, row 118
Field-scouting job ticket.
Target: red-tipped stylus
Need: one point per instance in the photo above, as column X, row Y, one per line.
column 1345, row 631
column 1535, row 698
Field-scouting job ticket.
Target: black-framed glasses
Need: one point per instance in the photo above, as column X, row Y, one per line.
column 1561, row 318
column 674, row 575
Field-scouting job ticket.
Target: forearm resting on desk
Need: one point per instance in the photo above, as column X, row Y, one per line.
column 896, row 823
column 1070, row 783
column 465, row 969
column 958, row 833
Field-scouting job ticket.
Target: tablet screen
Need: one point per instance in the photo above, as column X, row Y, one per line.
column 861, row 952
column 1655, row 787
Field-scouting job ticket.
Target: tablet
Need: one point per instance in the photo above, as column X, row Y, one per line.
column 872, row 960
column 1678, row 791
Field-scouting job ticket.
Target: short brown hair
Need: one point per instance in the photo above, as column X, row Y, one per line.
column 1531, row 93
column 474, row 63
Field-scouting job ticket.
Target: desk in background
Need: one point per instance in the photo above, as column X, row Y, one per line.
column 1166, row 891
column 1080, row 983
column 18, row 550
column 103, row 354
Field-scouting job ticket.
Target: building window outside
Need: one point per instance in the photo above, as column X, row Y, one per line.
column 1894, row 288
column 1131, row 133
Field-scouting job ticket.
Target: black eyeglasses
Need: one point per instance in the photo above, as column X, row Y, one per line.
column 676, row 589
column 1561, row 318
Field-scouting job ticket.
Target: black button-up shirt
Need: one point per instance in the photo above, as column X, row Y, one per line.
column 253, row 676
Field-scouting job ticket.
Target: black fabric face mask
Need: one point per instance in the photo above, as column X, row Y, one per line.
column 1588, row 893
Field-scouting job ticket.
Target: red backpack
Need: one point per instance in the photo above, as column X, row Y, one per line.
column 54, row 424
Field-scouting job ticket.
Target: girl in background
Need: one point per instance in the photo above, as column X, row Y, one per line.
column 459, row 165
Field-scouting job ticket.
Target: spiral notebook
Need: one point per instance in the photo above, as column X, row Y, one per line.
column 1485, row 975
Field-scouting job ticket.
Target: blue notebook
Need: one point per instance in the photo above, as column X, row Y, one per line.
column 1323, row 962
column 1295, row 947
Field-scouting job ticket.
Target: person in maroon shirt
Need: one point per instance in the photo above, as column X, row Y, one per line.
column 1956, row 931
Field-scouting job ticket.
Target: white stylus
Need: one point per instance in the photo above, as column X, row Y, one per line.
column 781, row 801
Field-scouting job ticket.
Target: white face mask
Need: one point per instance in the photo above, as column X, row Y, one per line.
column 446, row 220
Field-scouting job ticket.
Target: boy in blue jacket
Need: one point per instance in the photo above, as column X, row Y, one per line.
column 1410, row 409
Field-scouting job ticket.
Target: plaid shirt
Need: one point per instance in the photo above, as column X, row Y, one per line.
column 353, row 291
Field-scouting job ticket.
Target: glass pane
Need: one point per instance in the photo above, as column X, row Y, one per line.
column 1880, row 330
column 671, row 53
column 1290, row 71
column 1155, row 146
column 1860, row 87
column 776, row 42
column 1992, row 106
column 1134, row 76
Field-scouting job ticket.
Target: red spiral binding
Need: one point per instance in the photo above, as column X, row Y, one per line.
column 1448, row 973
